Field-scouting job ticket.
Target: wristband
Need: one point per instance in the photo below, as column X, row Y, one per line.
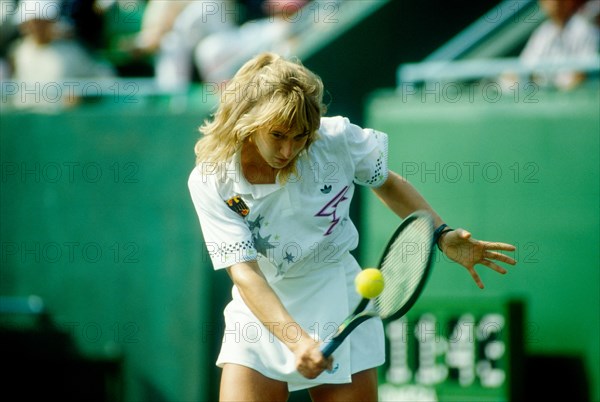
column 439, row 232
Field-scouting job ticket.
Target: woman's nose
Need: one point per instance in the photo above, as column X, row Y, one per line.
column 287, row 149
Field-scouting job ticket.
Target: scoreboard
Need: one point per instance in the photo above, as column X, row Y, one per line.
column 454, row 350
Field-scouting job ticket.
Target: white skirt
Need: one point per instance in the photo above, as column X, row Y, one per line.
column 319, row 299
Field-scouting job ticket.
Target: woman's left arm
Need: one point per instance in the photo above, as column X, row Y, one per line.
column 402, row 198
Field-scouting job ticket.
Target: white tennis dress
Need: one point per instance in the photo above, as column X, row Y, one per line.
column 301, row 235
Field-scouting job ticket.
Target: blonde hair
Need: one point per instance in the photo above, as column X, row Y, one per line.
column 268, row 91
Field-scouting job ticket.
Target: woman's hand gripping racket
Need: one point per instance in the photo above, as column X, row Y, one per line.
column 405, row 266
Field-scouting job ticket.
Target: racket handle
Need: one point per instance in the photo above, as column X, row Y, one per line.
column 329, row 347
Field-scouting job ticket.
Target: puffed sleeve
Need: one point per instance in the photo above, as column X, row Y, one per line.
column 369, row 151
column 226, row 235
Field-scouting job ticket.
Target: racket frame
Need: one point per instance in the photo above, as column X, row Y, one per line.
column 359, row 315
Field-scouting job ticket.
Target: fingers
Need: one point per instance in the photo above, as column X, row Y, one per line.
column 311, row 371
column 463, row 234
column 329, row 363
column 493, row 255
column 493, row 266
column 489, row 245
column 314, row 369
column 311, row 362
column 469, row 252
column 325, row 363
column 488, row 264
column 476, row 278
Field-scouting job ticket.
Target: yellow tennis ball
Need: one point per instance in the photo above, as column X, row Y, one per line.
column 369, row 283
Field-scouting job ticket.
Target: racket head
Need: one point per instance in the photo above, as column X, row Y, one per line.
column 405, row 265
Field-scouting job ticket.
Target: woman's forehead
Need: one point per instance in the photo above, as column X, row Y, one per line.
column 286, row 129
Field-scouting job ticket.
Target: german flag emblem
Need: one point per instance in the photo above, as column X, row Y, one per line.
column 237, row 205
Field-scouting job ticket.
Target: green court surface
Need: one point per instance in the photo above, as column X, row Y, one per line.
column 517, row 168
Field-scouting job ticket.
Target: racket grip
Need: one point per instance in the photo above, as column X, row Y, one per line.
column 329, row 347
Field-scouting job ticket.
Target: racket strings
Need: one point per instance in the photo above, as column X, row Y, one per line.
column 404, row 266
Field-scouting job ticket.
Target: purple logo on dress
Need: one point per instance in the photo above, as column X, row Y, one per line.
column 330, row 209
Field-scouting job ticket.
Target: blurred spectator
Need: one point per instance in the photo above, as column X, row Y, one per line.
column 88, row 21
column 569, row 34
column 591, row 12
column 252, row 10
column 219, row 56
column 8, row 33
column 158, row 19
column 45, row 57
column 172, row 29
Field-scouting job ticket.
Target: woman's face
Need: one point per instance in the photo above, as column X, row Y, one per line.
column 279, row 146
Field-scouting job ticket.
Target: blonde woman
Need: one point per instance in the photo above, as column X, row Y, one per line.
column 272, row 188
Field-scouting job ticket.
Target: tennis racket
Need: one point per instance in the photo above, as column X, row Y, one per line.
column 405, row 265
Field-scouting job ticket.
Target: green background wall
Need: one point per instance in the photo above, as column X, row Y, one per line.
column 97, row 221
column 515, row 167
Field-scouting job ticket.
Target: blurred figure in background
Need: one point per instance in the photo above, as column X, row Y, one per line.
column 252, row 9
column 46, row 56
column 219, row 56
column 569, row 34
column 591, row 12
column 171, row 30
column 8, row 33
column 157, row 21
column 87, row 18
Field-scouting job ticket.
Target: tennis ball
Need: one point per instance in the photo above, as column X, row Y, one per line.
column 369, row 283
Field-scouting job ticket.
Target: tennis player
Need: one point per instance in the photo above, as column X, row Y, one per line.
column 272, row 188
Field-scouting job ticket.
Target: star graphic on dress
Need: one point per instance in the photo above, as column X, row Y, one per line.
column 279, row 269
column 262, row 243
column 255, row 224
column 288, row 257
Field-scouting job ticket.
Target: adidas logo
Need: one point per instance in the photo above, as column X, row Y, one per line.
column 326, row 189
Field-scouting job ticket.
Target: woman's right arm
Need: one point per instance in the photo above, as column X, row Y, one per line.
column 268, row 308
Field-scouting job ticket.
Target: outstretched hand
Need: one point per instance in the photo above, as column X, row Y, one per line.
column 460, row 247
